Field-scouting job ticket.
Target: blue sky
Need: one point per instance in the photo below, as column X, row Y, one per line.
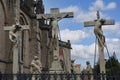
column 83, row 39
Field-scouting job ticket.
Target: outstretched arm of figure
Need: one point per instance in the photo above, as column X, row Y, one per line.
column 45, row 17
column 63, row 15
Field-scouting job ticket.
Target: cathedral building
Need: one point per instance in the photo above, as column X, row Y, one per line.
column 36, row 41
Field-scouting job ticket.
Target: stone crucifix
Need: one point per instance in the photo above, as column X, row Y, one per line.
column 15, row 36
column 100, row 36
column 54, row 17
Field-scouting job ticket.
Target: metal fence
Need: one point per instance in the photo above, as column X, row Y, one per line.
column 61, row 76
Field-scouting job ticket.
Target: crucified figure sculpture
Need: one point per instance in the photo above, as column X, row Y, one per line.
column 100, row 36
column 54, row 17
column 13, row 35
column 55, row 30
column 98, row 30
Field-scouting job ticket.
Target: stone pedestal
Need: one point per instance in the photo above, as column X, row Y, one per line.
column 56, row 66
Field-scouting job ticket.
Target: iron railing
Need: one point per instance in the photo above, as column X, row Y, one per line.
column 61, row 76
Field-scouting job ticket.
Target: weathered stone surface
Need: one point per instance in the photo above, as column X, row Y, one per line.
column 100, row 36
column 30, row 40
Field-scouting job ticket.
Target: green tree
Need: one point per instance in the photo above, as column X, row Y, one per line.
column 112, row 65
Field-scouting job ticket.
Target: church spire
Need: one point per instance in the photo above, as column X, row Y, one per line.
column 114, row 55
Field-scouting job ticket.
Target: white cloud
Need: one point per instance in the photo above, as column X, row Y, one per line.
column 82, row 51
column 85, row 16
column 74, row 9
column 113, row 45
column 97, row 5
column 87, row 52
column 80, row 15
column 112, row 28
column 73, row 35
column 111, row 5
column 100, row 5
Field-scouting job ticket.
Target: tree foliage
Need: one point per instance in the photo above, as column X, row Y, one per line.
column 112, row 65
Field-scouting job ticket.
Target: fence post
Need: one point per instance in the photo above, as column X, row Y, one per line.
column 55, row 76
column 103, row 76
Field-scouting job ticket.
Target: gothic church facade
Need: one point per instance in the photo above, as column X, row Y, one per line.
column 36, row 41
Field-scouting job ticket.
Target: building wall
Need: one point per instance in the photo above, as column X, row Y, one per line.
column 5, row 51
column 77, row 68
column 25, row 20
column 65, row 55
column 29, row 37
column 2, row 37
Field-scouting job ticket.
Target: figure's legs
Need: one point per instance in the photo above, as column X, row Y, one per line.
column 53, row 33
column 100, row 40
column 55, row 43
column 100, row 36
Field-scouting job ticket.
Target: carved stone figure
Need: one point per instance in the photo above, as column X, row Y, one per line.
column 54, row 25
column 98, row 30
column 88, row 68
column 56, row 66
column 36, row 66
column 12, row 35
column 88, row 71
column 53, row 19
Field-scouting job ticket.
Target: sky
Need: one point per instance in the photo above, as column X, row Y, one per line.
column 82, row 38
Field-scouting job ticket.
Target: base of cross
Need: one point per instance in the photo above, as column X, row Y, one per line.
column 56, row 65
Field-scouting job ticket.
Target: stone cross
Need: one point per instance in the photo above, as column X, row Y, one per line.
column 15, row 37
column 101, row 38
column 53, row 18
